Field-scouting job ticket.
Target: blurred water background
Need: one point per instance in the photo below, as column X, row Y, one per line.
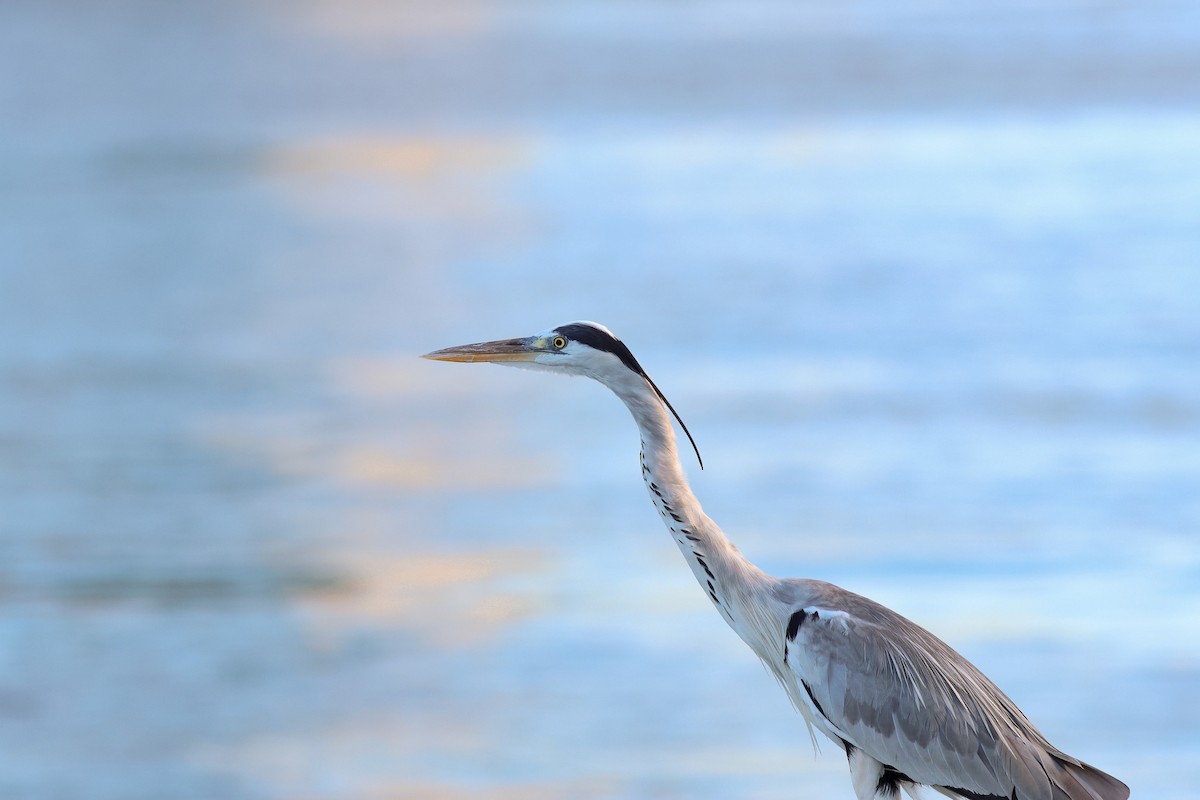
column 923, row 278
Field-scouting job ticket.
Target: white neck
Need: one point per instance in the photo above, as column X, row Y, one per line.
column 720, row 568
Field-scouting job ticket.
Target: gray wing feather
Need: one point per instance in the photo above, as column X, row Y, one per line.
column 909, row 700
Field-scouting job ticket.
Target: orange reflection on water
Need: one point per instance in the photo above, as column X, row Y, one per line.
column 451, row 600
column 387, row 22
column 407, row 157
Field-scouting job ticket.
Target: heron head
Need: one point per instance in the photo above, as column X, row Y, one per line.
column 577, row 348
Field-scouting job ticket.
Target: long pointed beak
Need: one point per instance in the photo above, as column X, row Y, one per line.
column 503, row 350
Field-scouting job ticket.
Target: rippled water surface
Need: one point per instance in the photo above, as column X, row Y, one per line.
column 922, row 279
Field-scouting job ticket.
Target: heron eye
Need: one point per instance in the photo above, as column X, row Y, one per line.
column 559, row 343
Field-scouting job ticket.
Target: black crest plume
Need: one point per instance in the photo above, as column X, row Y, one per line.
column 599, row 340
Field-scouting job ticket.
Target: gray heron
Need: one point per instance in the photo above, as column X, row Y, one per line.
column 906, row 708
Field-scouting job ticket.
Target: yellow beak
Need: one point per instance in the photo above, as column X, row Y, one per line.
column 502, row 350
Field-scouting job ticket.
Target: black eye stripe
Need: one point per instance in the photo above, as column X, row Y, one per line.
column 599, row 340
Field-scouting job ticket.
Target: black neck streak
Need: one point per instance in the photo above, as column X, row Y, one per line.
column 690, row 544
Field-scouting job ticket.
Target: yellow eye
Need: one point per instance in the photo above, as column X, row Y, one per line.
column 559, row 343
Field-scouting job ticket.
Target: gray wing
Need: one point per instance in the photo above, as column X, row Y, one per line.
column 910, row 701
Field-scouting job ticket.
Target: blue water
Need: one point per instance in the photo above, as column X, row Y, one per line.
column 921, row 279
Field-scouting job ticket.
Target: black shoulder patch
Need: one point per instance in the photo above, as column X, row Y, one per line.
column 793, row 628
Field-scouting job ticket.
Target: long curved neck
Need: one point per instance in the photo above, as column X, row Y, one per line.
column 720, row 568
